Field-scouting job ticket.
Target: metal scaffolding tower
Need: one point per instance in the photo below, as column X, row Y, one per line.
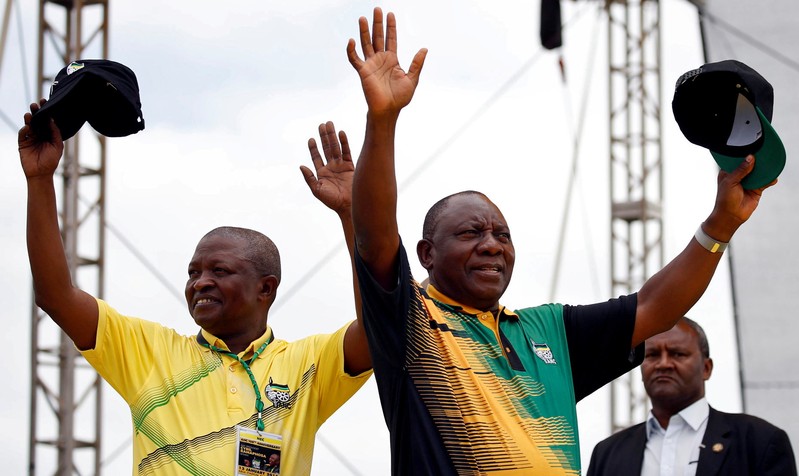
column 65, row 425
column 636, row 183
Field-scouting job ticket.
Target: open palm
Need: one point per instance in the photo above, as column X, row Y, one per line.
column 385, row 84
column 332, row 183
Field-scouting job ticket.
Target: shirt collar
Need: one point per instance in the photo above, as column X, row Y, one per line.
column 207, row 337
column 694, row 415
column 439, row 296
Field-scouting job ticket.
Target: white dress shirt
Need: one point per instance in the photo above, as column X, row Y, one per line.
column 675, row 450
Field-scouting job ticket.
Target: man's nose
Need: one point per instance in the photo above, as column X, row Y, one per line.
column 203, row 281
column 490, row 244
column 664, row 361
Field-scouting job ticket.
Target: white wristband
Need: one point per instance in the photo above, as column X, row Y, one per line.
column 709, row 243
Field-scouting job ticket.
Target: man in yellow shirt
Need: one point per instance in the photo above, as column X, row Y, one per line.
column 205, row 404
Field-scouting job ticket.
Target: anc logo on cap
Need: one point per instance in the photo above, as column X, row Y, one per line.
column 74, row 66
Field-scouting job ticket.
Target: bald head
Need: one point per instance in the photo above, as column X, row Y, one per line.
column 434, row 214
column 259, row 249
column 467, row 250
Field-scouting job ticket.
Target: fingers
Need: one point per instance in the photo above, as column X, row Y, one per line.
column 309, row 177
column 315, row 157
column 331, row 148
column 746, row 166
column 330, row 145
column 773, row 183
column 345, row 147
column 25, row 135
column 377, row 30
column 374, row 42
column 55, row 132
column 352, row 55
column 740, row 172
column 366, row 41
column 391, row 32
column 28, row 116
column 757, row 192
column 415, row 70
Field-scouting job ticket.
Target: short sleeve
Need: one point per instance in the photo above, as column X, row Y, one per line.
column 599, row 337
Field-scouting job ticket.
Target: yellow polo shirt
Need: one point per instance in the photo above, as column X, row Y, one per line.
column 186, row 400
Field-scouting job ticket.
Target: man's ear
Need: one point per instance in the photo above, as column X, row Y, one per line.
column 424, row 250
column 269, row 287
column 708, row 368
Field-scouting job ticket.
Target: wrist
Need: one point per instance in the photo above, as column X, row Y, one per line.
column 345, row 216
column 721, row 227
column 39, row 180
column 708, row 242
column 383, row 117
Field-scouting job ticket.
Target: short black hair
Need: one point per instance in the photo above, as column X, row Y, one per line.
column 260, row 250
column 434, row 214
column 704, row 347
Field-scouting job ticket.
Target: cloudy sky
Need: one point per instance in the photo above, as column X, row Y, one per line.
column 232, row 91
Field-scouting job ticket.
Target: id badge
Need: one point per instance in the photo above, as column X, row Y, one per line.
column 257, row 453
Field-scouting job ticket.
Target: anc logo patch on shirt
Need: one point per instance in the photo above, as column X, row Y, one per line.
column 543, row 352
column 278, row 394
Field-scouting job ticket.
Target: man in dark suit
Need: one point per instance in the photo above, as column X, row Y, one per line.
column 683, row 434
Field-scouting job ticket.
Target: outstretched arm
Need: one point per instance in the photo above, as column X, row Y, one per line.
column 387, row 89
column 672, row 292
column 332, row 185
column 72, row 309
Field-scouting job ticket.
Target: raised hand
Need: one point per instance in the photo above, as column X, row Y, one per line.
column 71, row 308
column 387, row 87
column 39, row 158
column 734, row 204
column 332, row 183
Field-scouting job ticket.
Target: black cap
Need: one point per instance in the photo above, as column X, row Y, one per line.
column 101, row 92
column 727, row 107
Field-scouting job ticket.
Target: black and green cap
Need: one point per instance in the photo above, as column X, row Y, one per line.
column 727, row 108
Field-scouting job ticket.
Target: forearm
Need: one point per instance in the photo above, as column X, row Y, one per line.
column 48, row 261
column 356, row 347
column 374, row 189
column 72, row 309
column 672, row 292
column 349, row 238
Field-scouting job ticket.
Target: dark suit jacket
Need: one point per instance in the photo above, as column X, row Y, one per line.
column 735, row 444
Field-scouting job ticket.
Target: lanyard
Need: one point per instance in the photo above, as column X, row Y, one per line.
column 259, row 403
